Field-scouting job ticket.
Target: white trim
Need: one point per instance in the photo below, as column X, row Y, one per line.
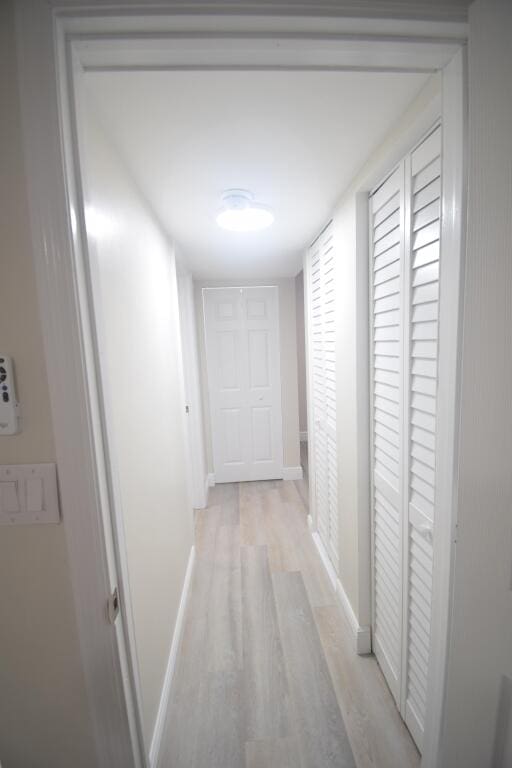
column 191, row 384
column 83, row 468
column 308, row 19
column 79, row 440
column 222, row 51
column 293, row 473
column 448, row 396
column 364, row 522
column 207, row 487
column 303, row 436
column 361, row 634
column 156, row 740
column 324, row 557
column 289, row 473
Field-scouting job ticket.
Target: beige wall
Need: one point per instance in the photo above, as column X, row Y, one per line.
column 301, row 352
column 288, row 340
column 351, row 227
column 44, row 720
column 136, row 307
column 352, row 391
column 478, row 717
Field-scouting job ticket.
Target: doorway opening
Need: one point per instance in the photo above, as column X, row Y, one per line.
column 125, row 182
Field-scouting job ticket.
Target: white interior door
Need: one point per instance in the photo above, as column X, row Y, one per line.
column 321, row 265
column 244, row 382
column 405, row 216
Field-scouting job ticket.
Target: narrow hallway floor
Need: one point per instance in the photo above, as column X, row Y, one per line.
column 266, row 675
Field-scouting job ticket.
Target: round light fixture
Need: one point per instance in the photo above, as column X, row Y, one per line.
column 240, row 212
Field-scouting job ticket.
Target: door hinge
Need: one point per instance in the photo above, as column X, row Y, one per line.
column 113, row 605
column 187, row 409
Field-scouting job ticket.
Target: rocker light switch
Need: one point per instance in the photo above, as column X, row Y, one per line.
column 34, row 486
column 9, row 499
column 28, row 494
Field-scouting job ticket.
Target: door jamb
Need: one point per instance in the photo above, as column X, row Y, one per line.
column 45, row 30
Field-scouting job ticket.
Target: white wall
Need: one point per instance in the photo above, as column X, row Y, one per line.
column 288, row 341
column 136, row 304
column 44, row 716
column 478, row 718
column 301, row 352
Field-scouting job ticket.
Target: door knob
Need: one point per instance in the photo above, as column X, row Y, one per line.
column 425, row 530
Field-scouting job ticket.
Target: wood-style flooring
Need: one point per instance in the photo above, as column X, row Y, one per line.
column 266, row 675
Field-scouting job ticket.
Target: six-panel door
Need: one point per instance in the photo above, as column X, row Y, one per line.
column 244, row 382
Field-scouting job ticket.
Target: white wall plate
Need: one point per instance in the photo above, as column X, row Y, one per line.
column 28, row 494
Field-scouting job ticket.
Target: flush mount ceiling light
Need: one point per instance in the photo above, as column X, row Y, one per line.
column 241, row 213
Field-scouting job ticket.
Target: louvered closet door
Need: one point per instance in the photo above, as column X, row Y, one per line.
column 323, row 362
column 405, row 241
column 423, row 170
column 387, row 229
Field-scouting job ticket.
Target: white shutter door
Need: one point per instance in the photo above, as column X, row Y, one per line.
column 386, row 233
column 322, row 311
column 318, row 388
column 405, row 244
column 329, row 346
column 424, row 181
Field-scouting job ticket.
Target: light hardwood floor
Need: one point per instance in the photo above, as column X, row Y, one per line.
column 266, row 675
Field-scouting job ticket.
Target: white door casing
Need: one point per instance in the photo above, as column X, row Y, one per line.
column 197, row 471
column 244, row 382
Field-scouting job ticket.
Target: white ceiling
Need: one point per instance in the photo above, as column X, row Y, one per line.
column 295, row 139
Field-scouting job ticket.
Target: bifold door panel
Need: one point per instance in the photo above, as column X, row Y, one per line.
column 244, row 380
column 405, row 213
column 321, row 282
column 387, row 266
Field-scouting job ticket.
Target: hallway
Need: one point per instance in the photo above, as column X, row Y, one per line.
column 266, row 674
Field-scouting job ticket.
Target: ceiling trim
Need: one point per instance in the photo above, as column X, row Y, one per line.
column 452, row 10
column 232, row 51
column 168, row 19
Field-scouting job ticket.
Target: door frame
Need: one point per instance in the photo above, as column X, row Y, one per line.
column 56, row 40
column 198, row 475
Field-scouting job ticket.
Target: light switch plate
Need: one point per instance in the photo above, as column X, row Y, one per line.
column 28, row 494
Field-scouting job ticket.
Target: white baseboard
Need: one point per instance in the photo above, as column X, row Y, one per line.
column 156, row 741
column 328, row 566
column 362, row 635
column 206, row 489
column 303, row 437
column 292, row 473
column 211, row 479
